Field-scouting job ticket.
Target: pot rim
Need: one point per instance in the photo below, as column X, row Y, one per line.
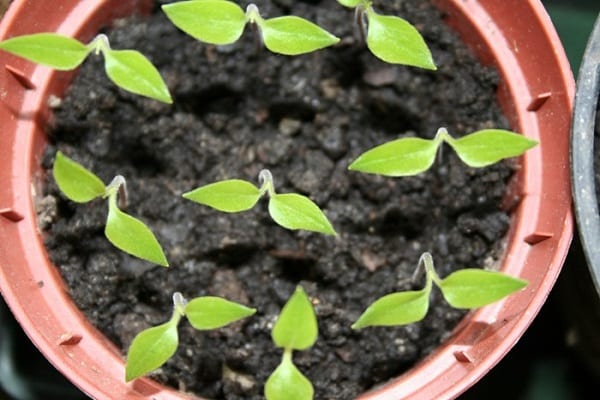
column 538, row 243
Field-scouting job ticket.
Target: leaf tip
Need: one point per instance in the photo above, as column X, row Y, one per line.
column 357, row 165
column 430, row 66
column 250, row 311
column 164, row 262
column 357, row 325
column 521, row 284
column 129, row 376
column 165, row 98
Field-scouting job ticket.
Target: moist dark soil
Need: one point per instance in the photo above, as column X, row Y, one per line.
column 236, row 111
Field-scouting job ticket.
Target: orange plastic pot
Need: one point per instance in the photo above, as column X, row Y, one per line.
column 536, row 92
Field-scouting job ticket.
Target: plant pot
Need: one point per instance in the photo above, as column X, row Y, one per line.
column 583, row 289
column 536, row 94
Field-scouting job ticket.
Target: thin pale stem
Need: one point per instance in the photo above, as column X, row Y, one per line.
column 179, row 303
column 361, row 23
column 427, row 261
column 425, row 266
column 256, row 21
column 442, row 135
column 287, row 355
column 253, row 15
column 99, row 43
column 118, row 186
column 266, row 181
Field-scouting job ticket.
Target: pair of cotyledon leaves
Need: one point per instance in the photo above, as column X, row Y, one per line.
column 467, row 288
column 295, row 329
column 129, row 234
column 411, row 156
column 391, row 39
column 125, row 232
column 290, row 210
column 222, row 22
column 152, row 347
column 129, row 69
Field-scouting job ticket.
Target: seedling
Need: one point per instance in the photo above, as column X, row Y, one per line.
column 467, row 288
column 295, row 329
column 128, row 69
column 152, row 347
column 411, row 156
column 222, row 22
column 290, row 210
column 125, row 232
column 391, row 39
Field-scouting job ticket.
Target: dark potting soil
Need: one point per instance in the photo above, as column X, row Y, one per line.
column 235, row 112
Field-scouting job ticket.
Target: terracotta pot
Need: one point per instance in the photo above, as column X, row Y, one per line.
column 536, row 93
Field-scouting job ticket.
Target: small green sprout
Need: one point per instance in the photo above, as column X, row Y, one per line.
column 467, row 288
column 391, row 39
column 128, row 69
column 295, row 329
column 122, row 230
column 222, row 22
column 290, row 210
column 411, row 156
column 152, row 347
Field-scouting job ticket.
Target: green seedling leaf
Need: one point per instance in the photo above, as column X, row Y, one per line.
column 150, row 349
column 472, row 288
column 214, row 312
column 75, row 181
column 232, row 195
column 132, row 71
column 288, row 383
column 351, row 3
column 210, row 21
column 293, row 211
column 50, row 49
column 396, row 41
column 293, row 35
column 132, row 236
column 401, row 157
column 489, row 146
column 296, row 328
column 394, row 309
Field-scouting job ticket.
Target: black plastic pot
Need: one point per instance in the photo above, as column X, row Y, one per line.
column 582, row 155
column 580, row 291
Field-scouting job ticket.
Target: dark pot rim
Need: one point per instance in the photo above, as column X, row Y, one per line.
column 582, row 154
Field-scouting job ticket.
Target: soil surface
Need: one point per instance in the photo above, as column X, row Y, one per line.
column 235, row 112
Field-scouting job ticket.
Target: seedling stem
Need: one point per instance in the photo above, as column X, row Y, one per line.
column 361, row 23
column 99, row 44
column 426, row 265
column 117, row 186
column 253, row 15
column 266, row 181
column 179, row 303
